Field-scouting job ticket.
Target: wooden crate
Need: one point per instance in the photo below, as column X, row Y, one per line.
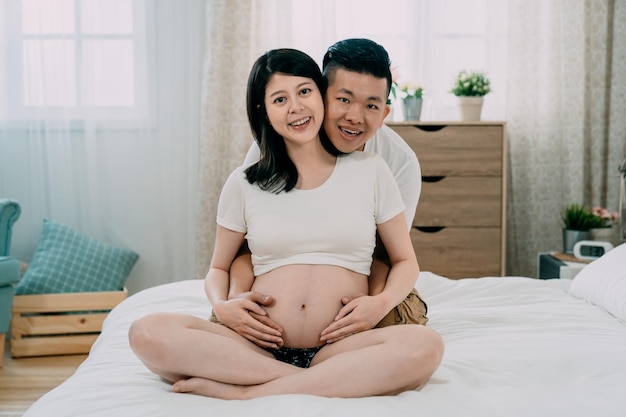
column 59, row 324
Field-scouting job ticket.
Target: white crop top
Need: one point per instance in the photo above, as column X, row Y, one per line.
column 333, row 224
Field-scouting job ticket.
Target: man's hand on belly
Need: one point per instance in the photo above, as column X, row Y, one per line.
column 358, row 314
column 244, row 315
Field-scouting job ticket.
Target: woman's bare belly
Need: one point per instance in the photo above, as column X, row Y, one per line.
column 307, row 298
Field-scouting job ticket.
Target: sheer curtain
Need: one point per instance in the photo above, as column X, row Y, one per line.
column 566, row 114
column 120, row 168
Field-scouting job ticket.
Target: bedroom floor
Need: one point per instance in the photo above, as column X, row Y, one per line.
column 24, row 380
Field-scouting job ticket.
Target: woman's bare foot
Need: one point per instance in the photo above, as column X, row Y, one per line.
column 209, row 388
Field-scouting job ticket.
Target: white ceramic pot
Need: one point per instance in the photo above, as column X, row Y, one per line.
column 470, row 108
column 606, row 234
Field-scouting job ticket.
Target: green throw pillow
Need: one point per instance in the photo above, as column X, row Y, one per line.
column 68, row 261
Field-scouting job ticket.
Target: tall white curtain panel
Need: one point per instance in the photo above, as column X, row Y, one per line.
column 100, row 125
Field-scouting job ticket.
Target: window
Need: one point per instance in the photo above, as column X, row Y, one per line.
column 75, row 57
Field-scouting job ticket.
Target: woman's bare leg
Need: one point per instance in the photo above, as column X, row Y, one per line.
column 376, row 362
column 178, row 346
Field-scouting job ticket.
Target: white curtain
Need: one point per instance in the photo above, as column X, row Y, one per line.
column 566, row 114
column 131, row 182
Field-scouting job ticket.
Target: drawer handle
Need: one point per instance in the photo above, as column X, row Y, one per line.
column 430, row 229
column 430, row 128
column 432, row 178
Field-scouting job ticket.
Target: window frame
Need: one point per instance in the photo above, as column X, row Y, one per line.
column 15, row 113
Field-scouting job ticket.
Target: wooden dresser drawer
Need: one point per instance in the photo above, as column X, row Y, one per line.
column 459, row 227
column 459, row 252
column 455, row 149
column 460, row 201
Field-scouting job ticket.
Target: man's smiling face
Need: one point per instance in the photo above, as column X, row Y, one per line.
column 356, row 107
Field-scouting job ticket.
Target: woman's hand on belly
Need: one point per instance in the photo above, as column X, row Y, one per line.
column 358, row 314
column 307, row 299
column 247, row 318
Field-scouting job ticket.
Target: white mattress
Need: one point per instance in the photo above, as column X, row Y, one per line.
column 514, row 347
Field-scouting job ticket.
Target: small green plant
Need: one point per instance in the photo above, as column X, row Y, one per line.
column 577, row 217
column 471, row 84
column 411, row 90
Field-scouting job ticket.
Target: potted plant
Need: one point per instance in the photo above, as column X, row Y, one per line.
column 470, row 88
column 579, row 218
column 577, row 221
column 411, row 100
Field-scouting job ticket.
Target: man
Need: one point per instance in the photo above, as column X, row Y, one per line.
column 354, row 70
column 358, row 84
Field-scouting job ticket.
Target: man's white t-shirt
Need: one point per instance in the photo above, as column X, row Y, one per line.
column 400, row 158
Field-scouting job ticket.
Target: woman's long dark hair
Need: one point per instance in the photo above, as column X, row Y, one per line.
column 275, row 171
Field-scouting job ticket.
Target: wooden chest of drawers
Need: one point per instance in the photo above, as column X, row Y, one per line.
column 459, row 227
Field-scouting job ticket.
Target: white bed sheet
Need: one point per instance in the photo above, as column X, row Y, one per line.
column 514, row 347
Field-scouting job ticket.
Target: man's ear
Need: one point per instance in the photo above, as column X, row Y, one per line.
column 386, row 113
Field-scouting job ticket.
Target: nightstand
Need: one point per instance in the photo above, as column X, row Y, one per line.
column 558, row 265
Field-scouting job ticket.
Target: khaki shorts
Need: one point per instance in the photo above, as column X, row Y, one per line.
column 411, row 311
column 214, row 318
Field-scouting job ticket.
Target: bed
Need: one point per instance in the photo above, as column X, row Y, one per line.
column 515, row 346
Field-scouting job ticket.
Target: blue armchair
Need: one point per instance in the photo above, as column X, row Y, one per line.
column 9, row 267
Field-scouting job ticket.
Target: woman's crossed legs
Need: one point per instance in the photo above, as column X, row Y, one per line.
column 223, row 364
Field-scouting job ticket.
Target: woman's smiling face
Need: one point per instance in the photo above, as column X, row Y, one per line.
column 294, row 106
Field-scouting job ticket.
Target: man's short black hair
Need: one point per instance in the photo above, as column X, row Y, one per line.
column 359, row 55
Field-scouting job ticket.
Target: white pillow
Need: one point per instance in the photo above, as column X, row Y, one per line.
column 603, row 282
